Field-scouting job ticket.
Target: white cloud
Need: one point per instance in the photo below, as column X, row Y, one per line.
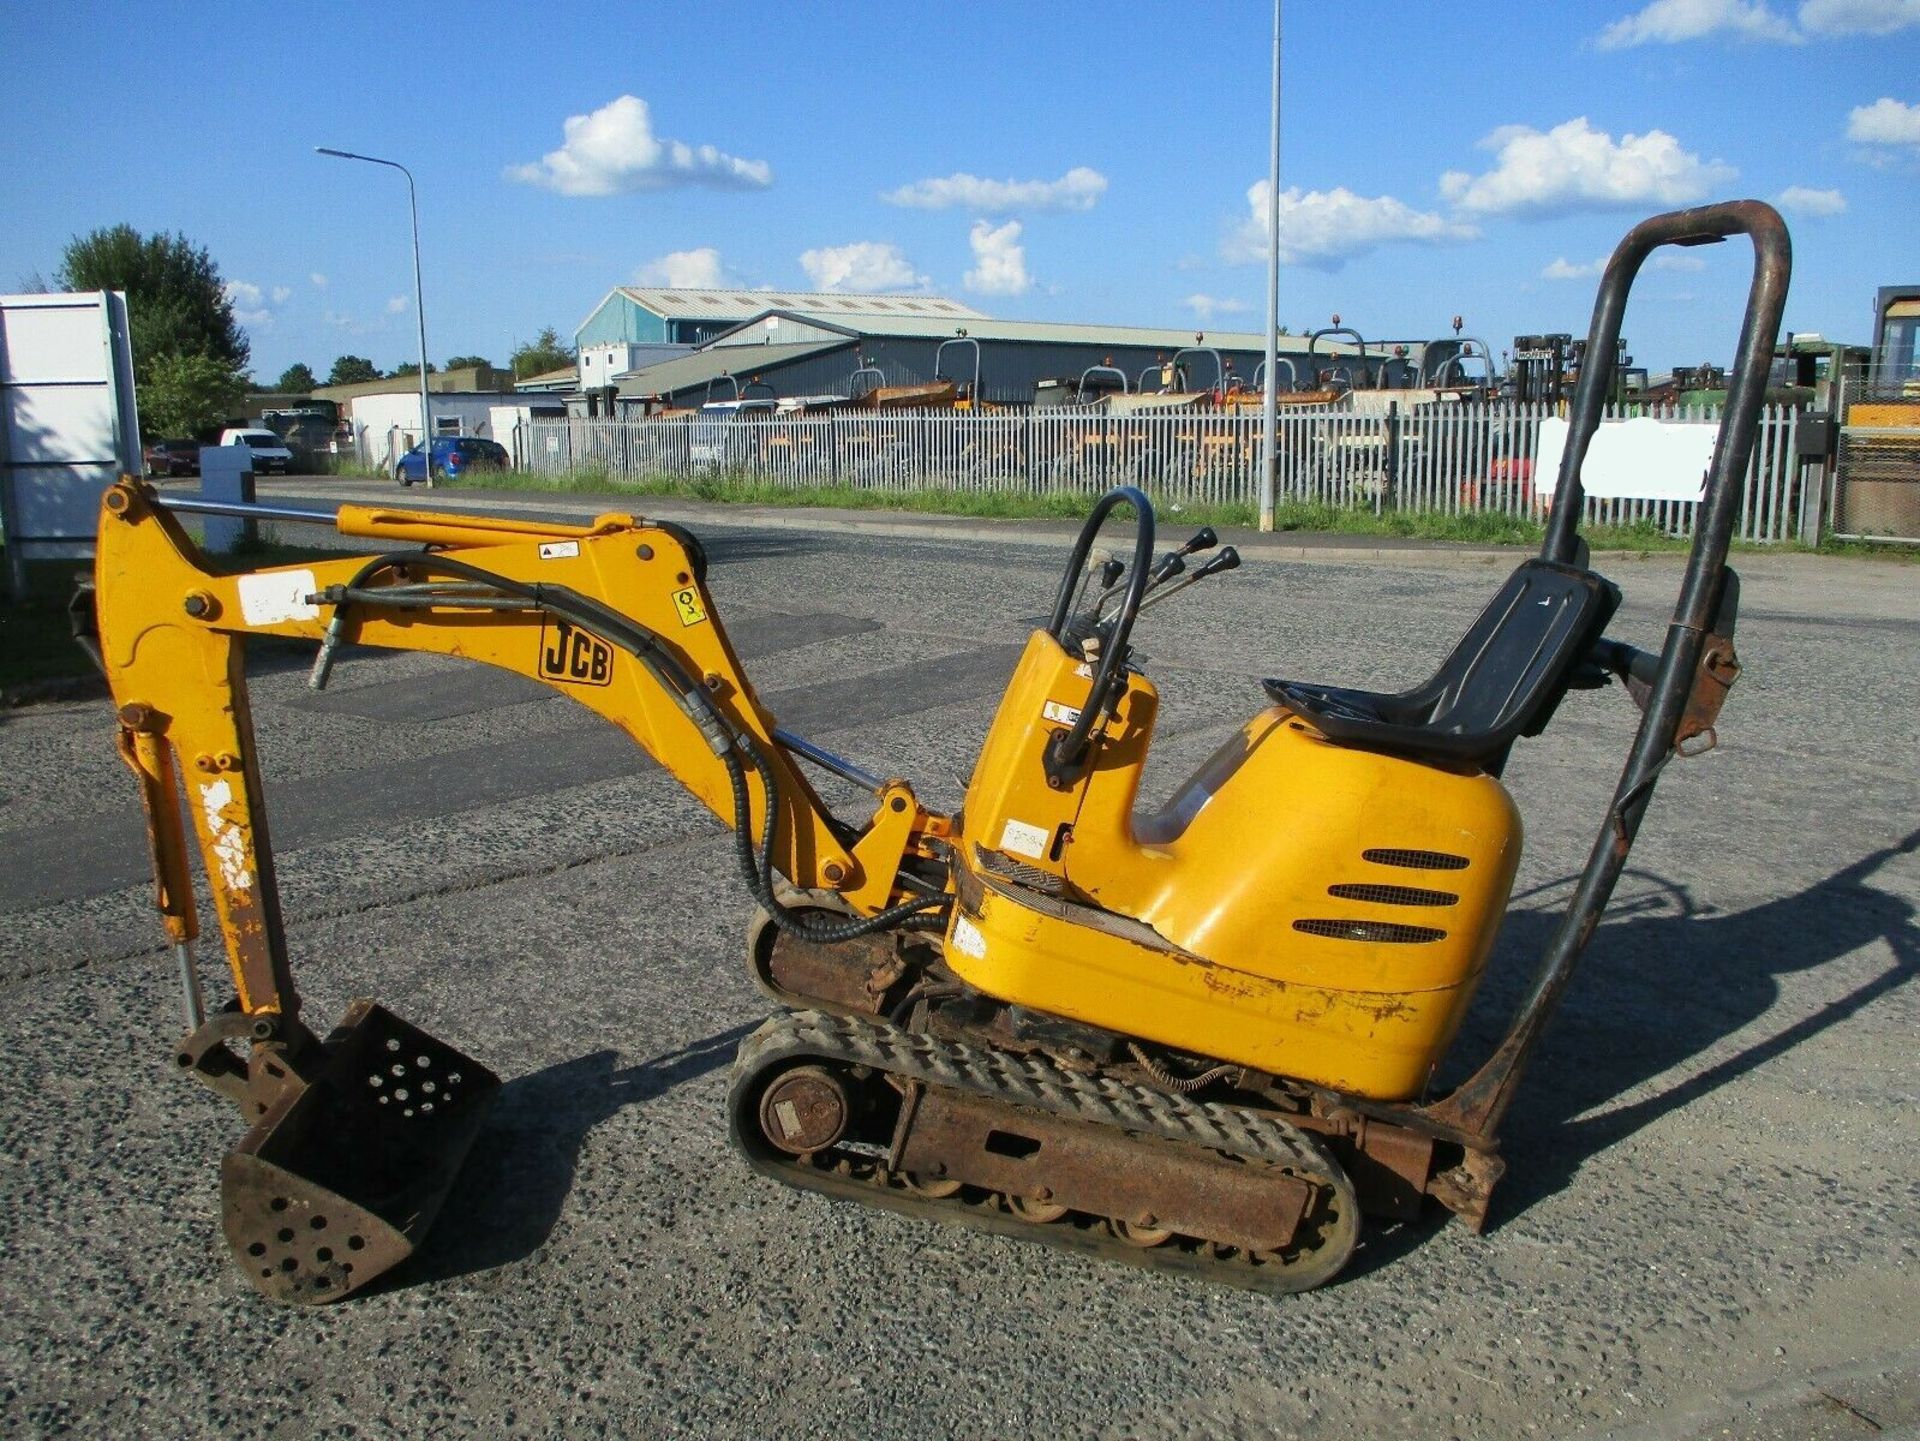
column 1668, row 22
column 1576, row 167
column 1208, row 306
column 864, row 265
column 319, row 280
column 397, row 305
column 1885, row 122
column 1079, row 189
column 1804, row 200
column 1565, row 269
column 700, row 269
column 614, row 151
column 1325, row 228
column 248, row 302
column 282, row 294
column 999, row 260
column 1858, row 17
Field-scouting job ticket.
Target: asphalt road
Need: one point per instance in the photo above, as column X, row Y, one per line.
column 1708, row 1227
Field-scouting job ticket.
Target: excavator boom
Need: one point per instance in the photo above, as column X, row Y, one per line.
column 529, row 597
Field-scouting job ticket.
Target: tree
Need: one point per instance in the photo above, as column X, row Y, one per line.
column 176, row 303
column 352, row 370
column 188, row 395
column 541, row 354
column 296, row 379
column 468, row 362
column 412, row 367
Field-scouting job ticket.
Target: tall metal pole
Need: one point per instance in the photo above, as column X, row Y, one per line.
column 419, row 301
column 1270, row 419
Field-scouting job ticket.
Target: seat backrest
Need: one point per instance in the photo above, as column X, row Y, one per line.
column 1507, row 673
column 1503, row 680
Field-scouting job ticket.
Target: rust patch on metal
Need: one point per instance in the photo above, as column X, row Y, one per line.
column 841, row 975
column 1141, row 1180
column 805, row 1110
column 1466, row 1189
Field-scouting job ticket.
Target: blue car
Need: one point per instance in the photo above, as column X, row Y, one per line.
column 453, row 457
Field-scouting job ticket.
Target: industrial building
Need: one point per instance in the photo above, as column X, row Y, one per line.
column 643, row 349
column 639, row 326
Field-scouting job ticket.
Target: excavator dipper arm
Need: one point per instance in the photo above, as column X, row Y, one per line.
column 614, row 614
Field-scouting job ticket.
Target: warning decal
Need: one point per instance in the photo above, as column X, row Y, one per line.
column 687, row 602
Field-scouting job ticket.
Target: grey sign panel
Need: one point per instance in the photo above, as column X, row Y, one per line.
column 68, row 427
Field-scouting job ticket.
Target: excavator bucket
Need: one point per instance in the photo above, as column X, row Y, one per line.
column 338, row 1182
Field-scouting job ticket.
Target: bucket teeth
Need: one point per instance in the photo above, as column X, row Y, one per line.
column 338, row 1182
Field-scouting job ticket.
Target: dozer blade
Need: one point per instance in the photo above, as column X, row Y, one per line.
column 337, row 1183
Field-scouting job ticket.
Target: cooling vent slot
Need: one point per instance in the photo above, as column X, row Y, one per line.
column 1384, row 932
column 1416, row 860
column 1393, row 895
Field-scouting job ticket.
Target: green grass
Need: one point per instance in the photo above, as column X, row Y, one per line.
column 1469, row 528
column 1006, row 505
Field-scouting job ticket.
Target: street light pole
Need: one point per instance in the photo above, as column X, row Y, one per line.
column 419, row 300
column 1270, row 418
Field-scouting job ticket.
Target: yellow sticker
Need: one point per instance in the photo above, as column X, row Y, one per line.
column 687, row 602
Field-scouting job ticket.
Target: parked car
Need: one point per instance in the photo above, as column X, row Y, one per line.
column 173, row 457
column 453, row 457
column 270, row 452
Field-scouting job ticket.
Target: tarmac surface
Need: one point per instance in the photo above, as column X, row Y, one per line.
column 1708, row 1228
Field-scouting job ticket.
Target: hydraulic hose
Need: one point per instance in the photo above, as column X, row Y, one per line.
column 727, row 740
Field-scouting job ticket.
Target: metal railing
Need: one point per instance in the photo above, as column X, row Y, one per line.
column 1449, row 458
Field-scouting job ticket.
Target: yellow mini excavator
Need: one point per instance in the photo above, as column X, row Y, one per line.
column 1198, row 1038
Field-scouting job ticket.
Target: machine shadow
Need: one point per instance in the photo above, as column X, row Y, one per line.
column 1658, row 988
column 516, row 1178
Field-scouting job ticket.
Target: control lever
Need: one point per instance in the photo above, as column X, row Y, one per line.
column 1227, row 559
column 1164, row 570
column 1108, row 567
column 1203, row 539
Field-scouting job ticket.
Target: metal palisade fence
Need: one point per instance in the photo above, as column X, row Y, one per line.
column 1445, row 458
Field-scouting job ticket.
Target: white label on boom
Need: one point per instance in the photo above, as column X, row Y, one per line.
column 275, row 596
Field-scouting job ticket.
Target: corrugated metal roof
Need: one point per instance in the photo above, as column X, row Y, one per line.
column 1049, row 332
column 564, row 378
column 699, row 304
column 743, row 362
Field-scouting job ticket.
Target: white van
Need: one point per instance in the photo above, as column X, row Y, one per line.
column 270, row 452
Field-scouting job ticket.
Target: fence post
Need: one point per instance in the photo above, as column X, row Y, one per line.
column 1390, row 472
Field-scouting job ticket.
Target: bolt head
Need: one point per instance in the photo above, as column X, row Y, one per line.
column 834, row 872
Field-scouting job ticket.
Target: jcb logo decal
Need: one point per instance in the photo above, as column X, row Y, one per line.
column 572, row 657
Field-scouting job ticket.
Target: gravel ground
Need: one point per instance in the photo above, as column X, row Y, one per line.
column 1708, row 1227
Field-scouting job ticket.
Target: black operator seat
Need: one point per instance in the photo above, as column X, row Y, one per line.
column 1502, row 681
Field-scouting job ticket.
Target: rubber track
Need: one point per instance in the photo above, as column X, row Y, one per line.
column 1033, row 1080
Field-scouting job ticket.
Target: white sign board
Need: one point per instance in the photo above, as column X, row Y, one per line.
column 1638, row 459
column 68, row 428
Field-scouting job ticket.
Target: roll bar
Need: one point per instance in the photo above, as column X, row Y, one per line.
column 973, row 393
column 1475, row 1108
column 1313, row 347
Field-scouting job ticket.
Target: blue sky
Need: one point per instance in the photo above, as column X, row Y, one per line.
column 1037, row 161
